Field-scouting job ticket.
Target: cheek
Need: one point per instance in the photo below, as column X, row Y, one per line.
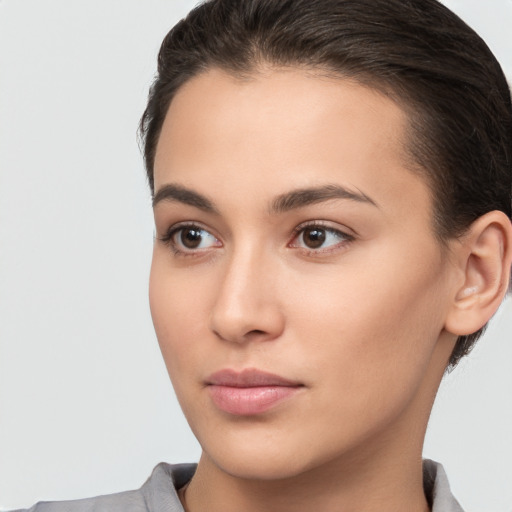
column 177, row 311
column 373, row 328
column 367, row 355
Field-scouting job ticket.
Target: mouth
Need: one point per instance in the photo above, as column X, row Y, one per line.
column 250, row 391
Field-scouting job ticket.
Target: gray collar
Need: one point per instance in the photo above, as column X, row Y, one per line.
column 437, row 488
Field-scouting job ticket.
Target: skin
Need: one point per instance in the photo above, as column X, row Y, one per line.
column 360, row 321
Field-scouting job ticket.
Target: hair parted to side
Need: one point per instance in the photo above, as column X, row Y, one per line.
column 417, row 52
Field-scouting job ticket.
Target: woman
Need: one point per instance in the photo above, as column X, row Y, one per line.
column 320, row 174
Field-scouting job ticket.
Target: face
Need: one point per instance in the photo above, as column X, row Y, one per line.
column 297, row 290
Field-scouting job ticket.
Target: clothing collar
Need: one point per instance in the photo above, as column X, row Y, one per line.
column 437, row 488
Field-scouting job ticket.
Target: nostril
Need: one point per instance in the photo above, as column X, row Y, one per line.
column 257, row 335
column 256, row 331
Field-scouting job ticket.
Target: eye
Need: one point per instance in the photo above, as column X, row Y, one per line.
column 190, row 238
column 317, row 237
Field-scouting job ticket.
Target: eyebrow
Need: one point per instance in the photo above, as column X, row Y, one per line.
column 183, row 195
column 305, row 196
column 292, row 200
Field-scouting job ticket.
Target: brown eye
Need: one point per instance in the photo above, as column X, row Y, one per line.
column 319, row 238
column 191, row 238
column 314, row 237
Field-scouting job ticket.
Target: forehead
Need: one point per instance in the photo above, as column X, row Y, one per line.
column 272, row 101
column 291, row 127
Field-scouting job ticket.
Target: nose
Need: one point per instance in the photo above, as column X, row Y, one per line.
column 246, row 306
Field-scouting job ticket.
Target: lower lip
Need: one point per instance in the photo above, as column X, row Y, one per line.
column 249, row 401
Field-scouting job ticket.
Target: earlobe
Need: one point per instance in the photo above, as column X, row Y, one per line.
column 485, row 256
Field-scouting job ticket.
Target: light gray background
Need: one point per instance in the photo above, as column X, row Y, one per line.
column 85, row 403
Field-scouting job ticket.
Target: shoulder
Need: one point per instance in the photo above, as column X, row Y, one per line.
column 158, row 494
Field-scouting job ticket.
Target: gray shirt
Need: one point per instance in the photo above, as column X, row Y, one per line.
column 159, row 494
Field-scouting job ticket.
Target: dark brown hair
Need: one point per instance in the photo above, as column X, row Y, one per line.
column 417, row 52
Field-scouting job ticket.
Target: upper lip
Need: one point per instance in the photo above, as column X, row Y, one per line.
column 248, row 378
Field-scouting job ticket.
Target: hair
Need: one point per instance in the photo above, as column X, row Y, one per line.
column 417, row 52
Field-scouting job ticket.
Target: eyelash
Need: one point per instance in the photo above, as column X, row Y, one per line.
column 345, row 238
column 168, row 238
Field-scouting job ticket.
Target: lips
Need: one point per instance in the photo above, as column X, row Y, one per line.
column 250, row 391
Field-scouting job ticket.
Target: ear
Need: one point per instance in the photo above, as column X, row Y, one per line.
column 484, row 255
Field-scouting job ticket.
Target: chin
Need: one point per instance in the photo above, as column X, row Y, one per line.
column 261, row 466
column 265, row 455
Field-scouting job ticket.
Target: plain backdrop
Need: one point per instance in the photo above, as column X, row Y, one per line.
column 85, row 403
